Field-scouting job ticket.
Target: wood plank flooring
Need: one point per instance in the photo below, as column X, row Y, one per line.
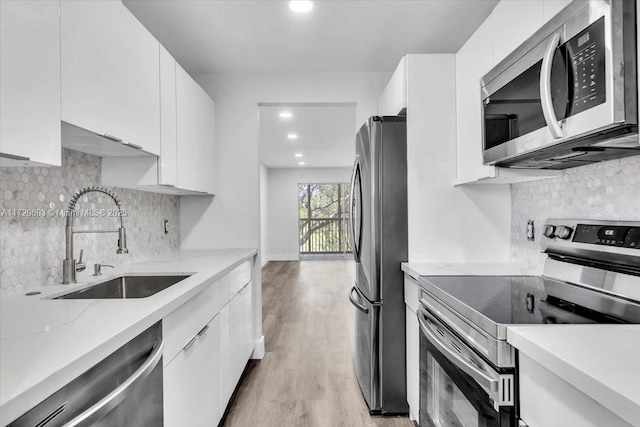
column 306, row 377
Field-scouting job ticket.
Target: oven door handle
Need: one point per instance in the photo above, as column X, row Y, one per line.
column 479, row 376
column 546, row 99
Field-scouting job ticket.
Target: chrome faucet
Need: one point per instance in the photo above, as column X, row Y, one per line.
column 69, row 265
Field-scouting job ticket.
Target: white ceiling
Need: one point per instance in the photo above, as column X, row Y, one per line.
column 326, row 136
column 337, row 35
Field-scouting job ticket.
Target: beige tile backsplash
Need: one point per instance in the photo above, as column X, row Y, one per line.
column 607, row 190
column 32, row 240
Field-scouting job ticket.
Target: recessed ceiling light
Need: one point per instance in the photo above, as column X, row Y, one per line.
column 285, row 115
column 301, row 6
column 301, row 163
column 298, row 154
column 292, row 136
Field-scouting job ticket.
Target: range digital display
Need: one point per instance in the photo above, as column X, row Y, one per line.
column 608, row 235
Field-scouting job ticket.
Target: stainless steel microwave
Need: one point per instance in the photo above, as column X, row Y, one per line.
column 568, row 96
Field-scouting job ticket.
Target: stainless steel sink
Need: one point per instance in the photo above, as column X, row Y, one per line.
column 123, row 287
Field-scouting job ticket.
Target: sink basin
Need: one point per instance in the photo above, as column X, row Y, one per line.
column 123, row 287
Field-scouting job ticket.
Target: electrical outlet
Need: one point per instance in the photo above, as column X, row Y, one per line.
column 165, row 225
column 531, row 231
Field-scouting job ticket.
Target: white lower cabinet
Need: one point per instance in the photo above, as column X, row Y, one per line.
column 207, row 345
column 411, row 299
column 546, row 400
column 192, row 392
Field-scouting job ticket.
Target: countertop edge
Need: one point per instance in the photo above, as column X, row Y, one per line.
column 20, row 403
column 608, row 397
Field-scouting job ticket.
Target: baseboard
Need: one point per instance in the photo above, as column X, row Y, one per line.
column 264, row 261
column 258, row 349
column 284, row 257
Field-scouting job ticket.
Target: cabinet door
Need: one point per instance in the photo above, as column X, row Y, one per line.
column 192, row 382
column 247, row 321
column 140, row 53
column 30, row 82
column 394, row 98
column 236, row 339
column 195, row 112
column 547, row 400
column 92, row 41
column 168, row 172
column 227, row 385
column 413, row 363
column 514, row 21
column 473, row 61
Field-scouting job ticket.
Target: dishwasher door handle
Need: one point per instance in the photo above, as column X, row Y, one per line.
column 120, row 393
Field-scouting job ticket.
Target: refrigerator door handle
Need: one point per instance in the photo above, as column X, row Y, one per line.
column 356, row 303
column 355, row 177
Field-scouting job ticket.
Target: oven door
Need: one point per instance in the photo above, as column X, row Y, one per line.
column 568, row 84
column 457, row 387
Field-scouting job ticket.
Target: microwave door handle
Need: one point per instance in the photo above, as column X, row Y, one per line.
column 545, row 89
column 482, row 378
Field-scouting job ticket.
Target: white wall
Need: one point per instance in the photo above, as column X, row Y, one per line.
column 446, row 223
column 232, row 219
column 264, row 207
column 282, row 218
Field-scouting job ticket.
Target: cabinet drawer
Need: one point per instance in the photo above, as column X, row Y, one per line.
column 179, row 327
column 239, row 277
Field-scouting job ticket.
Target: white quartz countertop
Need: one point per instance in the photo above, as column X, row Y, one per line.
column 44, row 343
column 602, row 361
column 416, row 270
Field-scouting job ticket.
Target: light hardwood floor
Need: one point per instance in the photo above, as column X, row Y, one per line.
column 306, row 377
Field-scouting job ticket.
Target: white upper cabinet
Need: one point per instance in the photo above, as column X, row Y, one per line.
column 29, row 83
column 168, row 167
column 514, row 21
column 91, row 67
column 473, row 61
column 394, row 98
column 195, row 134
column 187, row 138
column 140, row 84
column 110, row 77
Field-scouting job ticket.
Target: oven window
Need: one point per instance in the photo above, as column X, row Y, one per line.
column 447, row 404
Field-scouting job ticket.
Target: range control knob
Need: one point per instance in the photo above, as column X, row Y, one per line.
column 564, row 232
column 549, row 231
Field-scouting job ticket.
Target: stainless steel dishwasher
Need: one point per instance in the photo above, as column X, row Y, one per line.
column 124, row 389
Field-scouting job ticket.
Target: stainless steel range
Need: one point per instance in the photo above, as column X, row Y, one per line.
column 468, row 369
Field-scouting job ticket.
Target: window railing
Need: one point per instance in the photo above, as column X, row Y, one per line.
column 324, row 236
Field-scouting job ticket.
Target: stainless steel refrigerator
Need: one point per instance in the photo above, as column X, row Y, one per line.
column 379, row 232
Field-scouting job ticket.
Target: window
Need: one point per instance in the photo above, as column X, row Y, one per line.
column 324, row 219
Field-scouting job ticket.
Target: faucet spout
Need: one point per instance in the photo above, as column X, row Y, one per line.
column 69, row 267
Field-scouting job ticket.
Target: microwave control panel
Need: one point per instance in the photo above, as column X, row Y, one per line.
column 585, row 53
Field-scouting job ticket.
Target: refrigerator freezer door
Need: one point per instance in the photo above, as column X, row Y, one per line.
column 366, row 358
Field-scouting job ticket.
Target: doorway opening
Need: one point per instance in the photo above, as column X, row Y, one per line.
column 324, row 220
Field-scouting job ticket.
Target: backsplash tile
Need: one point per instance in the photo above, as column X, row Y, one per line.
column 32, row 245
column 607, row 190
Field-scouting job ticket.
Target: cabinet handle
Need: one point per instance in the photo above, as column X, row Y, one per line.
column 190, row 343
column 111, row 137
column 14, row 157
column 132, row 145
column 203, row 331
